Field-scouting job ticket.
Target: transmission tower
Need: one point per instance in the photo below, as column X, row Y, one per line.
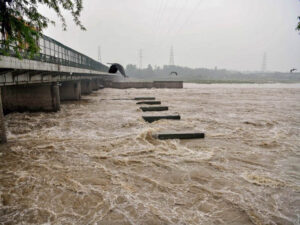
column 171, row 62
column 141, row 59
column 99, row 54
column 264, row 63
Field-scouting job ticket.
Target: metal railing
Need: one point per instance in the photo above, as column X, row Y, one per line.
column 52, row 51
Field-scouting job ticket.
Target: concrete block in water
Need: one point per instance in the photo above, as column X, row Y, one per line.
column 149, row 102
column 32, row 97
column 193, row 135
column 168, row 84
column 86, row 87
column 154, row 108
column 70, row 90
column 151, row 119
column 144, row 98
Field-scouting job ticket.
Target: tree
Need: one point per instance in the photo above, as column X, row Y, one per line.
column 298, row 27
column 21, row 24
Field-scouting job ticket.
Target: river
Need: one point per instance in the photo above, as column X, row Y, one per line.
column 96, row 162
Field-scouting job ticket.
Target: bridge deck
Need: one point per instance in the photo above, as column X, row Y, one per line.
column 15, row 71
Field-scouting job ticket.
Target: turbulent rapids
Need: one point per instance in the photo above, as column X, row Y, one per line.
column 96, row 162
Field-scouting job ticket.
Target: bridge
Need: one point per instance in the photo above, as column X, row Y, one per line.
column 40, row 83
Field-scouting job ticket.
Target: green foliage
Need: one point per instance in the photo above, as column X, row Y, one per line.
column 298, row 27
column 21, row 24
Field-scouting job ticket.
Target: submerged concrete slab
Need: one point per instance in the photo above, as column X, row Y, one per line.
column 149, row 103
column 144, row 98
column 191, row 135
column 151, row 119
column 154, row 108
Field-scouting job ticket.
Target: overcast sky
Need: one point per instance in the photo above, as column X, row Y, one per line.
column 231, row 34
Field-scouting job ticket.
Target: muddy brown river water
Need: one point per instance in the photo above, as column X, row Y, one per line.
column 96, row 162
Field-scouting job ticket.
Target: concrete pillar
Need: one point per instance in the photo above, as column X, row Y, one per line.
column 95, row 85
column 70, row 90
column 37, row 97
column 100, row 83
column 86, row 87
column 2, row 125
column 107, row 83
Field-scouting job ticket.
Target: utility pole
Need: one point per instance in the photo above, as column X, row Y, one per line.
column 99, row 54
column 264, row 63
column 140, row 59
column 171, row 61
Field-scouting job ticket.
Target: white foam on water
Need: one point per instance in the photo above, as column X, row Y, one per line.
column 97, row 162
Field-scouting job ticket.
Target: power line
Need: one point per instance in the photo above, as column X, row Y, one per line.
column 264, row 63
column 99, row 54
column 156, row 22
column 156, row 14
column 140, row 59
column 189, row 17
column 161, row 17
column 178, row 15
column 171, row 62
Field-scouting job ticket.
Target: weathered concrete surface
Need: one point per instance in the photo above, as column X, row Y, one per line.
column 149, row 103
column 168, row 84
column 2, row 124
column 95, row 84
column 155, row 84
column 154, row 108
column 151, row 119
column 125, row 85
column 164, row 136
column 70, row 90
column 86, row 87
column 20, row 98
column 107, row 84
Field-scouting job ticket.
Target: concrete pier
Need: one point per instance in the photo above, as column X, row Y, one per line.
column 2, row 125
column 41, row 97
column 86, row 87
column 70, row 90
column 95, row 84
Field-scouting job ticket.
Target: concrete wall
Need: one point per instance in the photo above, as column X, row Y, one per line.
column 168, row 84
column 95, row 84
column 86, row 87
column 155, row 84
column 107, row 83
column 70, row 90
column 20, row 98
column 2, row 125
column 124, row 85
